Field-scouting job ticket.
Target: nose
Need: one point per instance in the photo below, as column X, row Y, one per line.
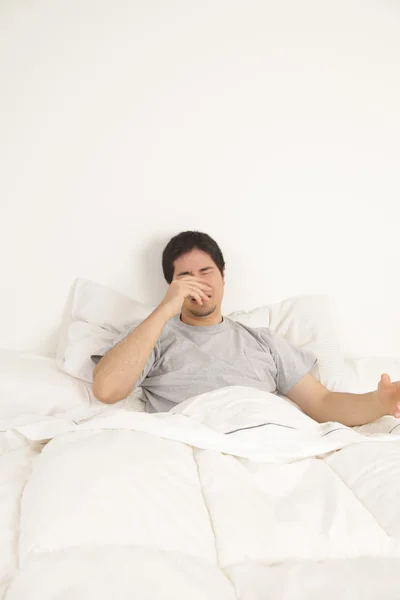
column 209, row 290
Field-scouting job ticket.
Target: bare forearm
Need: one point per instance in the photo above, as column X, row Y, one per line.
column 349, row 409
column 117, row 372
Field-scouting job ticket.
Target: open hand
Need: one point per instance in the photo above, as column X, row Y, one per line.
column 389, row 395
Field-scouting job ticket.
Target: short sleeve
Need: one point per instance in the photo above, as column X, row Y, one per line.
column 107, row 347
column 291, row 363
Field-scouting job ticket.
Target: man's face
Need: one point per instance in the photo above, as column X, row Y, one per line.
column 199, row 264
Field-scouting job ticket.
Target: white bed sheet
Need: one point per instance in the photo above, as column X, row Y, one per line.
column 126, row 504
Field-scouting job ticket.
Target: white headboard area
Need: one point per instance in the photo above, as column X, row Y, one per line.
column 272, row 126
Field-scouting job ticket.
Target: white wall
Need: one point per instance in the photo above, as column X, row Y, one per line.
column 273, row 126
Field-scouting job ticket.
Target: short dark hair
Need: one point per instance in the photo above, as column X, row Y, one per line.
column 183, row 243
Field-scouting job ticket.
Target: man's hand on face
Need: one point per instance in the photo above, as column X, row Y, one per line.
column 180, row 289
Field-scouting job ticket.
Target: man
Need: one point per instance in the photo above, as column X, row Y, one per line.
column 186, row 347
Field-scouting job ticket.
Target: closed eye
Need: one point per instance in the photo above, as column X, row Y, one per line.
column 204, row 270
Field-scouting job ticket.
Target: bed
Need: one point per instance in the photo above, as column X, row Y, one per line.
column 235, row 494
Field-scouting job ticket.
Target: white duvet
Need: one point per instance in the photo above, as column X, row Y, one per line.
column 236, row 494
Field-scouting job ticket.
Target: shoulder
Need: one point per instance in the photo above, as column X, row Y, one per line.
column 239, row 325
column 263, row 334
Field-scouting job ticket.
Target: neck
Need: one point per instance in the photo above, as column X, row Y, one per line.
column 214, row 319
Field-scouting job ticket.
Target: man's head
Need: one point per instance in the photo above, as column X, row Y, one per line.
column 197, row 254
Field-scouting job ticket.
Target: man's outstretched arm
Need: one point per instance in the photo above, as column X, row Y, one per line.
column 350, row 409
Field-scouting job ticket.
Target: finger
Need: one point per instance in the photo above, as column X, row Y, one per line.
column 385, row 380
column 197, row 297
column 196, row 280
column 201, row 285
column 198, row 290
column 192, row 278
column 199, row 294
column 203, row 293
column 193, row 292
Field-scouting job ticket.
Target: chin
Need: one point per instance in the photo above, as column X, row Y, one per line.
column 204, row 311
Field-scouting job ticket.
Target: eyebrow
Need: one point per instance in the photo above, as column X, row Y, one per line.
column 187, row 272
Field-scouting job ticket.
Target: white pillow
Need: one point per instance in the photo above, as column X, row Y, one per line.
column 307, row 322
column 99, row 315
column 31, row 384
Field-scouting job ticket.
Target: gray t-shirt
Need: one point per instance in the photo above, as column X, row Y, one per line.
column 189, row 360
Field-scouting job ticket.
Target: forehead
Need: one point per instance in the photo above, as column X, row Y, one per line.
column 193, row 260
